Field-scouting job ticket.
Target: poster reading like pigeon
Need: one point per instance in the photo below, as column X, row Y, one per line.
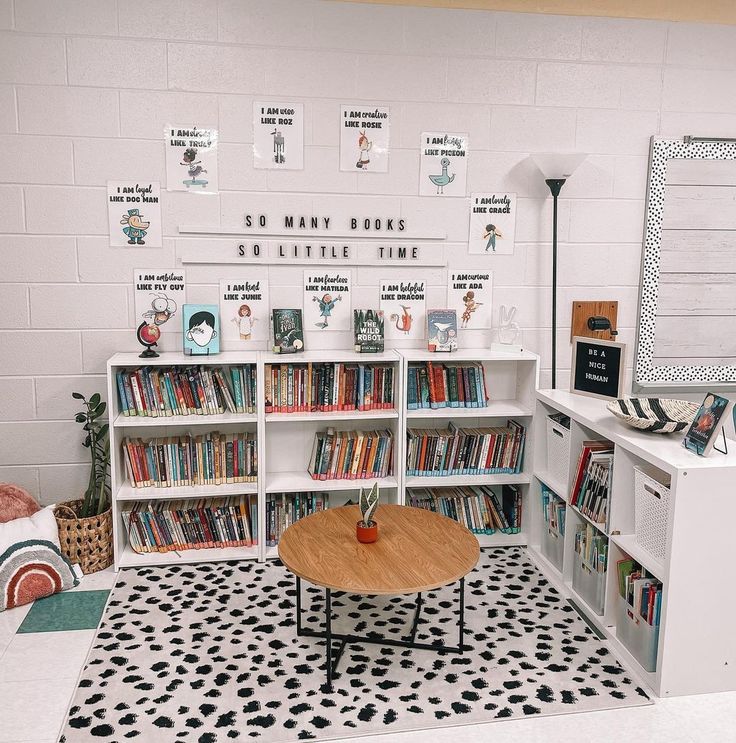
column 327, row 300
column 492, row 223
column 159, row 295
column 404, row 305
column 244, row 310
column 443, row 164
column 469, row 294
column 191, row 159
column 134, row 214
column 364, row 138
column 278, row 135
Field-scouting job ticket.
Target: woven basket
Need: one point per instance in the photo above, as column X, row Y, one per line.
column 658, row 415
column 86, row 541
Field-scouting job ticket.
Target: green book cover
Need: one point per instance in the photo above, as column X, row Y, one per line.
column 368, row 328
column 288, row 333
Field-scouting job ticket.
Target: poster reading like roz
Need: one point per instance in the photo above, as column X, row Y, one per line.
column 469, row 293
column 327, row 300
column 244, row 310
column 191, row 159
column 134, row 213
column 364, row 138
column 160, row 294
column 404, row 305
column 492, row 223
column 443, row 164
column 278, row 135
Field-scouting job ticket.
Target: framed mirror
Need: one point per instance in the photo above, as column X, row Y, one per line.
column 686, row 336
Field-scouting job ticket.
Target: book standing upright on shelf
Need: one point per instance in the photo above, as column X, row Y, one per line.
column 288, row 332
column 442, row 330
column 707, row 425
column 368, row 328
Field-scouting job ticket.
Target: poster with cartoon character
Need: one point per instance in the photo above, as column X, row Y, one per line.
column 364, row 138
column 244, row 310
column 469, row 293
column 201, row 329
column 278, row 135
column 492, row 223
column 327, row 300
column 443, row 164
column 159, row 294
column 404, row 305
column 191, row 159
column 134, row 214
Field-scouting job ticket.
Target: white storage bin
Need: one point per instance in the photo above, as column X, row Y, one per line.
column 639, row 638
column 651, row 513
column 589, row 584
column 553, row 546
column 558, row 453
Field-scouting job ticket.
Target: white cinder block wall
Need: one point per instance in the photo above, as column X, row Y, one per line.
column 86, row 87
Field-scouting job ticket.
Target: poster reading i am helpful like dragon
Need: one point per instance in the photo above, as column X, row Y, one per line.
column 404, row 305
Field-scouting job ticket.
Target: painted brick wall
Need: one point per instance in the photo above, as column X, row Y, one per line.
column 86, row 87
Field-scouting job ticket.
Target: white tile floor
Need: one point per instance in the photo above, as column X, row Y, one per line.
column 38, row 675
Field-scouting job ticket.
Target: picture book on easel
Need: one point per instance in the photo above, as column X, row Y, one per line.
column 707, row 425
column 288, row 332
column 201, row 329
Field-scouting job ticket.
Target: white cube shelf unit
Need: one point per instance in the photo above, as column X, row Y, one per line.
column 696, row 646
column 511, row 381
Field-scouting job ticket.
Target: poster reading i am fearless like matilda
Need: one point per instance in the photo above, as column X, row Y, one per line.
column 469, row 294
column 404, row 305
column 244, row 310
column 134, row 213
column 278, row 135
column 191, row 159
column 327, row 300
column 492, row 223
column 364, row 138
column 443, row 164
column 159, row 295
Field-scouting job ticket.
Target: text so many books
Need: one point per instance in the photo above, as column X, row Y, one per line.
column 180, row 390
column 167, row 526
column 593, row 480
column 323, row 387
column 434, row 385
column 553, row 509
column 479, row 509
column 179, row 461
column 465, row 451
column 351, row 455
column 285, row 509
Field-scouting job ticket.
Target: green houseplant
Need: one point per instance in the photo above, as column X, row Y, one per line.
column 367, row 528
column 85, row 525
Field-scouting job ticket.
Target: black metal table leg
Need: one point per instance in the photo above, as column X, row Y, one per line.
column 462, row 613
column 298, row 605
column 413, row 633
column 328, row 635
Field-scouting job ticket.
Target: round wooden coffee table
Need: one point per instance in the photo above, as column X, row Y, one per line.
column 416, row 551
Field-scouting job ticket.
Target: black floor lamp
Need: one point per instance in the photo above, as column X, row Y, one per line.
column 556, row 169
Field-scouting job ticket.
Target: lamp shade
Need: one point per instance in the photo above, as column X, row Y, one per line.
column 558, row 164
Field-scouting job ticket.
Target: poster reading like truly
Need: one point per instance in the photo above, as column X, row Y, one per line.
column 469, row 293
column 364, row 138
column 443, row 164
column 191, row 159
column 327, row 300
column 278, row 135
column 134, row 213
column 404, row 305
column 159, row 295
column 244, row 310
column 492, row 223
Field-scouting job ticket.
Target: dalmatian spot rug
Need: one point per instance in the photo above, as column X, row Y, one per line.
column 209, row 653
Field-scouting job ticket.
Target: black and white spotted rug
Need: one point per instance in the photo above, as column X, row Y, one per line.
column 209, row 653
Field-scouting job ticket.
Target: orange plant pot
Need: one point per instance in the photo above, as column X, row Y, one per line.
column 367, row 534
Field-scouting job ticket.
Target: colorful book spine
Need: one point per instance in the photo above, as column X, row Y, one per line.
column 351, row 455
column 285, row 509
column 453, row 385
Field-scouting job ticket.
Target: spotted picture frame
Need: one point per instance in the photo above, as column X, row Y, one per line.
column 648, row 376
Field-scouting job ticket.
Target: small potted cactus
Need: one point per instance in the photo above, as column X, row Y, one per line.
column 367, row 528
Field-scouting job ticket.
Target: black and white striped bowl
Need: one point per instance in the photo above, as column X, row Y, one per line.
column 655, row 414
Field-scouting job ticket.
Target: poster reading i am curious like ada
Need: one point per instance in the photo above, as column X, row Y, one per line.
column 492, row 223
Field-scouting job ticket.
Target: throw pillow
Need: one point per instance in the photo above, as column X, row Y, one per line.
column 15, row 503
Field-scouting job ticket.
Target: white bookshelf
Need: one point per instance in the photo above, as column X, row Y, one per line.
column 696, row 649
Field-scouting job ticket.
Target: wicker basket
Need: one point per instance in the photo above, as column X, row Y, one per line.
column 86, row 541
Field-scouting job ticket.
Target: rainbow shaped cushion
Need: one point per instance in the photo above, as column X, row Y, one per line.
column 33, row 569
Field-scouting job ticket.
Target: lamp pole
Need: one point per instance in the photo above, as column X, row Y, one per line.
column 555, row 186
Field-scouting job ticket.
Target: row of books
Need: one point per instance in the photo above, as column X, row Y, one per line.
column 352, row 455
column 176, row 461
column 592, row 547
column 593, row 480
column 554, row 511
column 480, row 509
column 458, row 385
column 641, row 590
column 156, row 391
column 167, row 526
column 284, row 509
column 326, row 387
column 465, row 451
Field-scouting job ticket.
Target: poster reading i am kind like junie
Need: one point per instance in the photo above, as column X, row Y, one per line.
column 244, row 310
